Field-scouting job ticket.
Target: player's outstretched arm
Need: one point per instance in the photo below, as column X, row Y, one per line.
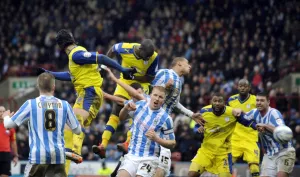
column 83, row 57
column 195, row 116
column 127, row 87
column 62, row 76
column 118, row 100
column 244, row 119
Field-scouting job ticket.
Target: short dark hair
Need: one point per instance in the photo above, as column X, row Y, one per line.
column 218, row 94
column 136, row 86
column 264, row 94
column 147, row 46
column 64, row 38
column 45, row 82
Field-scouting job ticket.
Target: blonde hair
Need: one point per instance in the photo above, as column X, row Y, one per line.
column 45, row 82
column 159, row 88
column 176, row 60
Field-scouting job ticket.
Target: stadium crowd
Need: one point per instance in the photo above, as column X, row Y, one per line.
column 223, row 40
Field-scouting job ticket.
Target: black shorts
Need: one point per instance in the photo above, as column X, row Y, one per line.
column 5, row 159
column 45, row 170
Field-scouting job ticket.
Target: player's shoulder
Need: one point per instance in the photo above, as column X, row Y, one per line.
column 252, row 97
column 233, row 97
column 206, row 109
column 79, row 48
column 141, row 102
column 124, row 48
column 275, row 112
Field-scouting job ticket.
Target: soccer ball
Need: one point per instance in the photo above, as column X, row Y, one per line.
column 282, row 134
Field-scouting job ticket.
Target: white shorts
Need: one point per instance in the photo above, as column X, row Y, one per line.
column 165, row 160
column 143, row 166
column 283, row 161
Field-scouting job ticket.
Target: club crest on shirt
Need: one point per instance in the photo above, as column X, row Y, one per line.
column 279, row 121
column 227, row 119
column 248, row 106
column 145, row 62
column 87, row 54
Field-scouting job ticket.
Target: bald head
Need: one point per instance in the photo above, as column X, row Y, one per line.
column 244, row 81
column 244, row 87
column 146, row 49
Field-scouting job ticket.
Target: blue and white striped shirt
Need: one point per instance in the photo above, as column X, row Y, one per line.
column 272, row 117
column 47, row 117
column 145, row 119
column 173, row 94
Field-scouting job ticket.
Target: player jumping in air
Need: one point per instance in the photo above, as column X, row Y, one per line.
column 83, row 72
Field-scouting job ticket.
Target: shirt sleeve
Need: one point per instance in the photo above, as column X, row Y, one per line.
column 23, row 114
column 160, row 79
column 249, row 115
column 84, row 57
column 168, row 129
column 153, row 67
column 72, row 121
column 276, row 118
column 117, row 48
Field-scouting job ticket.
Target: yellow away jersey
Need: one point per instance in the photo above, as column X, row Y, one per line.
column 241, row 132
column 218, row 131
column 126, row 57
column 85, row 75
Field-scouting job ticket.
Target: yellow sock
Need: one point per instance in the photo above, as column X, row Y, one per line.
column 129, row 133
column 78, row 139
column 77, row 142
column 224, row 175
column 68, row 136
column 110, row 128
column 254, row 169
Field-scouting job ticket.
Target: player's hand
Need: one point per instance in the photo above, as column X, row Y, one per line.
column 201, row 129
column 130, row 106
column 197, row 117
column 169, row 84
column 128, row 73
column 261, row 127
column 40, row 71
column 15, row 160
column 237, row 112
column 8, row 113
column 151, row 134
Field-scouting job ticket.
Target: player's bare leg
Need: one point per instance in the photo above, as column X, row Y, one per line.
column 193, row 174
column 123, row 173
column 159, row 172
column 3, row 175
column 282, row 174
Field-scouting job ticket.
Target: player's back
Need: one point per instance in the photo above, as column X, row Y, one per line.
column 85, row 75
column 173, row 94
column 145, row 119
column 218, row 130
column 242, row 132
column 48, row 116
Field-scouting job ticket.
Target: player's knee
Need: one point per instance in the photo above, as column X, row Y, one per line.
column 159, row 172
column 254, row 169
column 193, row 174
column 227, row 174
